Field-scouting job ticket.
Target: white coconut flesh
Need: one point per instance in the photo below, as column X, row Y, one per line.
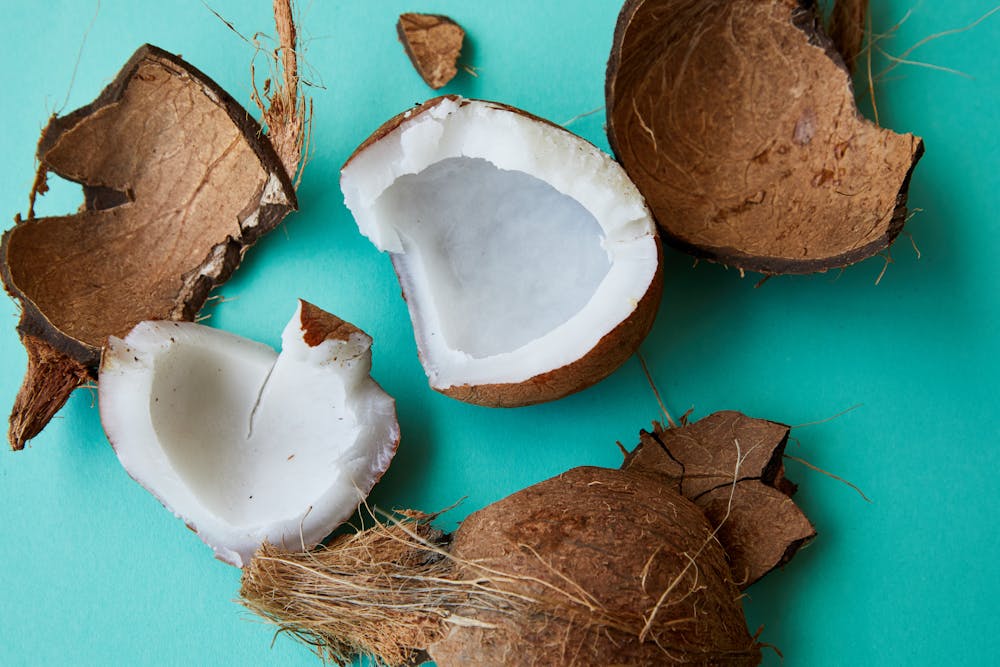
column 518, row 245
column 242, row 443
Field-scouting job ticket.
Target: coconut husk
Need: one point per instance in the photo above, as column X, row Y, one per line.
column 594, row 566
column 760, row 526
column 433, row 43
column 178, row 183
column 737, row 122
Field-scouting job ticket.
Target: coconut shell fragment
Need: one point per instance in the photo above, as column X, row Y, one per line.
column 730, row 466
column 433, row 43
column 737, row 122
column 178, row 182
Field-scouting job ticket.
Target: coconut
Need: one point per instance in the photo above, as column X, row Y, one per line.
column 529, row 262
column 737, row 122
column 433, row 43
column 592, row 567
column 244, row 444
column 178, row 183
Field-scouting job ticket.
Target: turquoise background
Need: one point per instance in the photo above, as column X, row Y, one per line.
column 95, row 572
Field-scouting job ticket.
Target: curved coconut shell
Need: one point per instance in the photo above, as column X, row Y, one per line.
column 626, row 572
column 178, row 182
column 433, row 43
column 736, row 120
column 760, row 525
column 603, row 359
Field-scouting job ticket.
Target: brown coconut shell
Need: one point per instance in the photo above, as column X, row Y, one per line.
column 632, row 568
column 178, row 182
column 602, row 360
column 731, row 467
column 736, row 119
column 433, row 43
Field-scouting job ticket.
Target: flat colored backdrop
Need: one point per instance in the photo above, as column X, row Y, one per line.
column 95, row 572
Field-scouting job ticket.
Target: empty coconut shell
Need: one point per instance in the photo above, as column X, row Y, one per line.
column 178, row 182
column 737, row 122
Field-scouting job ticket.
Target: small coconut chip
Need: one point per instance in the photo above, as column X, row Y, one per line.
column 433, row 42
column 244, row 444
column 529, row 262
column 178, row 182
column 738, row 124
column 761, row 527
column 592, row 567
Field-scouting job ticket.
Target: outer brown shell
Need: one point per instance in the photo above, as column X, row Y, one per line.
column 433, row 43
column 602, row 360
column 736, row 119
column 731, row 467
column 600, row 549
column 178, row 182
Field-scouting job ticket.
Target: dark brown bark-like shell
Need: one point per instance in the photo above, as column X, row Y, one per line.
column 737, row 121
column 178, row 182
column 730, row 466
column 603, row 552
column 433, row 43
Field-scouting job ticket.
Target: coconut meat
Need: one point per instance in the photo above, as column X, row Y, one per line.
column 518, row 245
column 241, row 442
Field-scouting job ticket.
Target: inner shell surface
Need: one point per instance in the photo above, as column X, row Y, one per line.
column 504, row 257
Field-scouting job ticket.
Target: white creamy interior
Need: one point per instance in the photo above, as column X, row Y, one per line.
column 485, row 240
column 242, row 443
column 458, row 186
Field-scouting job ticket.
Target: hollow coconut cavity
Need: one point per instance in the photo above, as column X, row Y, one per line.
column 528, row 259
column 245, row 444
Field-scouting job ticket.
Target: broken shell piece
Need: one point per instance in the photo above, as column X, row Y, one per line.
column 529, row 262
column 433, row 42
column 245, row 444
column 178, row 183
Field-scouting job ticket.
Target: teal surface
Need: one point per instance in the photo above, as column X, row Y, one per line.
column 95, row 572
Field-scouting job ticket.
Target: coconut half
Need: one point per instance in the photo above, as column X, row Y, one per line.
column 528, row 259
column 244, row 444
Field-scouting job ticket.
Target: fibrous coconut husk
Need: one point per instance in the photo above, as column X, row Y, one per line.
column 737, row 122
column 178, row 182
column 433, row 43
column 595, row 566
column 761, row 527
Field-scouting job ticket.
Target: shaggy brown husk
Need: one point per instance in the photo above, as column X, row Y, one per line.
column 178, row 182
column 594, row 566
column 736, row 119
column 433, row 43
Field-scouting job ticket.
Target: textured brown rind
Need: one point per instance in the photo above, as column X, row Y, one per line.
column 737, row 122
column 178, row 182
column 626, row 572
column 433, row 43
column 731, row 466
column 319, row 325
column 50, row 379
column 602, row 360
